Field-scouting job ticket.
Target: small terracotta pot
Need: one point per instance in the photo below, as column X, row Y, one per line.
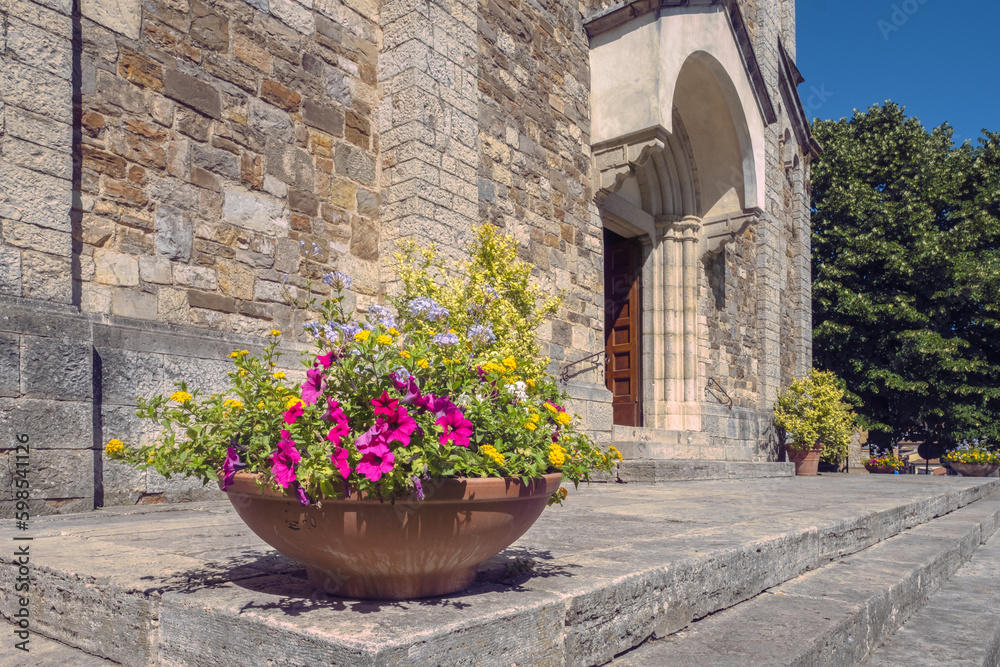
column 361, row 547
column 806, row 460
column 974, row 469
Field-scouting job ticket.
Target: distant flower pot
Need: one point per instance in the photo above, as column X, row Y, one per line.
column 806, row 460
column 361, row 547
column 974, row 469
column 880, row 470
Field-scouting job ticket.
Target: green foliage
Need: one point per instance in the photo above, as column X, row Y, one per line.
column 812, row 410
column 429, row 392
column 466, row 290
column 906, row 275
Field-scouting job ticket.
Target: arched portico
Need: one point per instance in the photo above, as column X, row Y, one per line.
column 679, row 141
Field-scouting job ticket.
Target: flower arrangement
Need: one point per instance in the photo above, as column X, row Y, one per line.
column 391, row 401
column 886, row 463
column 812, row 410
column 971, row 452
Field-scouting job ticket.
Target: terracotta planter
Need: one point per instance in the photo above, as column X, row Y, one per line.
column 806, row 460
column 363, row 548
column 974, row 469
column 876, row 470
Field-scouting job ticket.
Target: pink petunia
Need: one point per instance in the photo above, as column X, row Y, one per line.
column 456, row 427
column 340, row 426
column 284, row 460
column 340, row 460
column 400, row 427
column 377, row 461
column 293, row 413
column 326, row 359
column 312, row 388
column 385, row 405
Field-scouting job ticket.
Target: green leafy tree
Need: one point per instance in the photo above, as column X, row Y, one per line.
column 906, row 276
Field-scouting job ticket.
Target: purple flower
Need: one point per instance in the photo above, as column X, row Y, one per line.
column 231, row 466
column 481, row 334
column 445, row 339
column 312, row 388
column 439, row 405
column 456, row 427
column 337, row 280
column 372, row 437
column 418, row 488
column 303, row 497
column 381, row 315
column 408, row 385
column 340, row 460
column 284, row 460
column 430, row 309
column 377, row 461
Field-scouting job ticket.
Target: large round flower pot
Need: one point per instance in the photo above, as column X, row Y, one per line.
column 360, row 547
column 974, row 469
column 806, row 460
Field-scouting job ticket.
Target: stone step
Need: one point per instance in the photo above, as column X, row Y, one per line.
column 839, row 613
column 662, row 472
column 960, row 624
column 642, row 434
column 190, row 585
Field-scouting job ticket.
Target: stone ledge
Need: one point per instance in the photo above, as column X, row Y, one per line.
column 589, row 581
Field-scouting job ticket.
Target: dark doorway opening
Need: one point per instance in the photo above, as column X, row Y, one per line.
column 622, row 325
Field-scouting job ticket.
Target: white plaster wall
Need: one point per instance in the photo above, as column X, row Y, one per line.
column 634, row 73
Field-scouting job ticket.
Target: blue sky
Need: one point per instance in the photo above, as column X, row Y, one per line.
column 938, row 58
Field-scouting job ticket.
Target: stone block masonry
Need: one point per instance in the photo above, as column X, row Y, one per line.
column 174, row 172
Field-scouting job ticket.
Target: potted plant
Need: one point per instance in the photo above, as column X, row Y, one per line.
column 813, row 415
column 972, row 459
column 886, row 464
column 423, row 440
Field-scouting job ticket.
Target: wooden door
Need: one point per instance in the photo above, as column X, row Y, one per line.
column 621, row 327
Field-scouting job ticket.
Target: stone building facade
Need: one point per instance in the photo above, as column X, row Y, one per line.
column 172, row 170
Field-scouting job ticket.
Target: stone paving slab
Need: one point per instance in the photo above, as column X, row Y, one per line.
column 190, row 585
column 45, row 652
column 837, row 614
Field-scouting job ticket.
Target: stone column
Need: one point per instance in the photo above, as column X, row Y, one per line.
column 676, row 343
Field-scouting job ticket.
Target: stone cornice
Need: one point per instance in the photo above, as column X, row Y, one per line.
column 789, row 78
column 614, row 17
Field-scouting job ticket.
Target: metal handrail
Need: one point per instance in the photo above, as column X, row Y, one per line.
column 729, row 399
column 594, row 360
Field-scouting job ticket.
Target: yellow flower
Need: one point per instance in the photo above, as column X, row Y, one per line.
column 275, row 332
column 260, row 406
column 614, row 452
column 114, row 446
column 491, row 367
column 490, row 451
column 530, row 383
column 423, row 363
column 234, row 354
column 510, row 363
column 362, row 336
column 563, row 418
column 384, row 340
column 404, row 354
column 551, row 408
column 149, row 460
column 562, row 493
column 530, row 426
column 243, row 373
column 292, row 402
column 234, row 404
column 535, row 417
column 278, row 375
column 180, row 396
column 452, row 331
column 393, row 331
column 557, row 455
column 244, row 352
